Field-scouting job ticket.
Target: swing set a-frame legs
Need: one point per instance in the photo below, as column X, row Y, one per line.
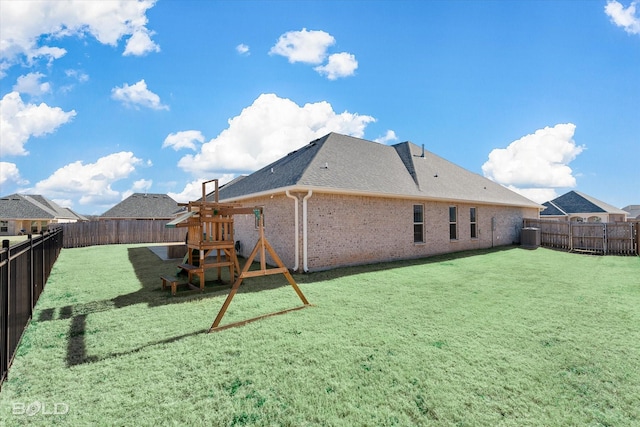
column 261, row 246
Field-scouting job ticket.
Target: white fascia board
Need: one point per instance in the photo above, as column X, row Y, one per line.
column 325, row 190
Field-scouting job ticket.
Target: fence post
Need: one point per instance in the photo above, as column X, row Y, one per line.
column 4, row 313
column 32, row 281
column 570, row 237
column 45, row 255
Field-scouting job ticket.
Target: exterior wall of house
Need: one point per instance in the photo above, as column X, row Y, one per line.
column 592, row 217
column 350, row 230
column 279, row 228
column 13, row 227
column 382, row 229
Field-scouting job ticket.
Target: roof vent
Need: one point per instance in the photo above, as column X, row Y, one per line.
column 325, row 166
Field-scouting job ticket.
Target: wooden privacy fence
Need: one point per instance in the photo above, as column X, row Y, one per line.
column 24, row 270
column 80, row 234
column 614, row 238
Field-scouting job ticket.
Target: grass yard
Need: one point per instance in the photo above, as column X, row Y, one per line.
column 505, row 337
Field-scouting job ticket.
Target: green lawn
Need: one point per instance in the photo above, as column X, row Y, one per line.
column 488, row 338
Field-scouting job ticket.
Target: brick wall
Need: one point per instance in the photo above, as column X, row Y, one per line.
column 279, row 227
column 349, row 230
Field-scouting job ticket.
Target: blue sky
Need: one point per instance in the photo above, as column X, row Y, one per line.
column 102, row 99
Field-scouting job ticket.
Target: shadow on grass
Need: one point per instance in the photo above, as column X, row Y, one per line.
column 148, row 269
column 77, row 352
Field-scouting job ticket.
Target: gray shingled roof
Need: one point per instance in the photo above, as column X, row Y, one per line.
column 576, row 202
column 25, row 206
column 633, row 211
column 340, row 163
column 143, row 206
column 552, row 210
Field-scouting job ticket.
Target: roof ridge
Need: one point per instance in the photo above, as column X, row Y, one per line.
column 558, row 207
column 407, row 159
column 602, row 205
column 49, row 210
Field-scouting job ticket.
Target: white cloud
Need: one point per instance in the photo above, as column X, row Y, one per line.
column 9, row 173
column 310, row 47
column 538, row 195
column 242, row 49
column 387, row 137
column 77, row 75
column 183, row 139
column 193, row 190
column 267, row 130
column 624, row 17
column 303, row 46
column 140, row 186
column 24, row 23
column 90, row 182
column 20, row 121
column 536, row 161
column 65, row 203
column 137, row 95
column 339, row 65
column 31, row 85
column 140, row 43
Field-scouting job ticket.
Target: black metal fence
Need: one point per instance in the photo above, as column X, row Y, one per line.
column 24, row 270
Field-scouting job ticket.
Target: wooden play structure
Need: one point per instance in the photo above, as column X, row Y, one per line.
column 210, row 231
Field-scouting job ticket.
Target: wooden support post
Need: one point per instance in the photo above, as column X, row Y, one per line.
column 210, row 227
column 262, row 246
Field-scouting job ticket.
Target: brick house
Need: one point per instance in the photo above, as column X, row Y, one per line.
column 342, row 201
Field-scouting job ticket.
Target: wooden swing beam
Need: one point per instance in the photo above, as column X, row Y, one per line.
column 262, row 247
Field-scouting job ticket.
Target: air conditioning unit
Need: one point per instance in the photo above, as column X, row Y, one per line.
column 530, row 237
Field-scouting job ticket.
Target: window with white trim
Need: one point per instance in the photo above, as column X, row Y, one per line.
column 473, row 221
column 418, row 223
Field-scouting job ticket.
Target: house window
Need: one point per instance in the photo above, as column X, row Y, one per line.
column 418, row 224
column 453, row 223
column 4, row 226
column 257, row 220
column 473, row 220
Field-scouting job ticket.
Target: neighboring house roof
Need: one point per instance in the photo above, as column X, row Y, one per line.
column 575, row 202
column 143, row 206
column 633, row 211
column 552, row 210
column 344, row 164
column 25, row 206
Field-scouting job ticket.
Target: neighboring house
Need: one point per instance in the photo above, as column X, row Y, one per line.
column 342, row 201
column 633, row 211
column 143, row 206
column 579, row 207
column 22, row 213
